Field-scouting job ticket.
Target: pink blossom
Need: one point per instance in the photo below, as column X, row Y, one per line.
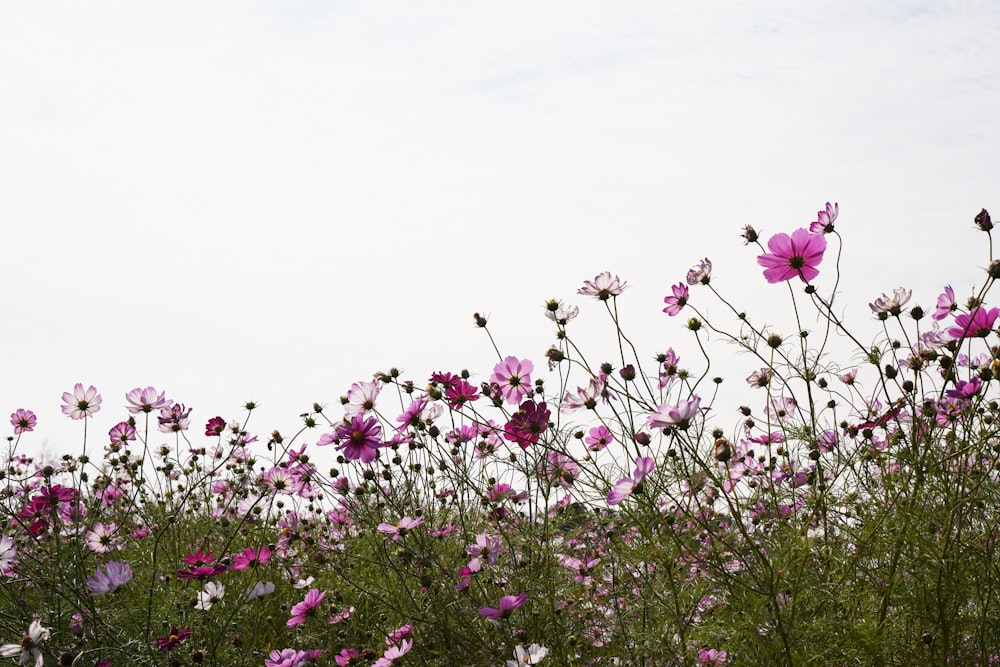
column 251, row 557
column 679, row 415
column 603, row 286
column 598, row 438
column 976, row 324
column 700, row 273
column 624, row 487
column 361, row 397
column 398, row 531
column 82, row 403
column 791, row 256
column 508, row 604
column 945, row 304
column 358, row 439
column 303, row 610
column 145, row 400
column 677, row 300
column 886, row 305
column 513, row 375
column 825, row 219
column 23, row 421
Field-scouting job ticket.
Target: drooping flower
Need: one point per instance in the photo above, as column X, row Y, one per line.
column 23, row 421
column 171, row 641
column 791, row 256
column 945, row 304
column 700, row 273
column 626, row 486
column 303, row 610
column 679, row 415
column 28, row 651
column 508, row 604
column 603, row 286
column 560, row 313
column 513, row 375
column 532, row 655
column 825, row 219
column 8, row 555
column 975, row 324
column 677, row 300
column 145, row 400
column 82, row 403
column 886, row 305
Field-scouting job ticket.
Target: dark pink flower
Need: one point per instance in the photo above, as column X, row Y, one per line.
column 174, row 639
column 527, row 424
column 508, row 604
column 791, row 256
column 23, row 421
column 215, row 426
column 976, row 324
column 306, row 608
column 359, row 439
column 251, row 557
column 459, row 393
column 678, row 300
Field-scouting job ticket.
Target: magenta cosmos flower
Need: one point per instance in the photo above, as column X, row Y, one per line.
column 795, row 255
column 508, row 603
column 23, row 421
column 513, row 375
column 358, row 439
column 81, row 403
column 306, row 608
column 677, row 300
column 174, row 639
column 976, row 324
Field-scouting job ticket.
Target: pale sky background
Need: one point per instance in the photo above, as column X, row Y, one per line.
column 272, row 200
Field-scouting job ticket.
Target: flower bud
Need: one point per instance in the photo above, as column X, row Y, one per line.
column 983, row 221
column 749, row 235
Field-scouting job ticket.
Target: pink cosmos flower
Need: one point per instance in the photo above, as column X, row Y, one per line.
column 361, row 397
column 603, row 286
column 586, row 397
column 251, row 557
column 886, row 305
column 359, row 439
column 145, row 400
column 677, row 301
column 459, row 393
column 8, row 555
column 700, row 273
column 174, row 417
column 399, row 530
column 347, row 657
column 101, row 539
column 513, row 375
column 306, row 608
column 508, row 604
column 679, row 415
column 791, row 256
column 825, row 219
column 760, row 379
column 215, row 426
column 121, row 434
column 527, row 424
column 290, row 657
column 945, row 304
column 624, row 487
column 393, row 653
column 559, row 313
column 598, row 438
column 81, row 403
column 976, row 324
column 27, row 651
column 23, row 421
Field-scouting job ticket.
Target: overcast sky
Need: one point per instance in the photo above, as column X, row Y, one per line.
column 272, row 200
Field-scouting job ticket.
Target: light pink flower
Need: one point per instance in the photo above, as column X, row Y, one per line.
column 398, row 531
column 679, row 415
column 945, row 304
column 624, row 487
column 361, row 397
column 81, row 403
column 825, row 219
column 145, row 400
column 101, row 539
column 885, row 305
column 603, row 286
column 303, row 610
column 700, row 273
column 513, row 375
column 23, row 421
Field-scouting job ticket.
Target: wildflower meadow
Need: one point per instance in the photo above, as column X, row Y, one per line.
column 578, row 507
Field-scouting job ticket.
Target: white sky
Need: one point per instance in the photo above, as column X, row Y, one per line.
column 272, row 200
